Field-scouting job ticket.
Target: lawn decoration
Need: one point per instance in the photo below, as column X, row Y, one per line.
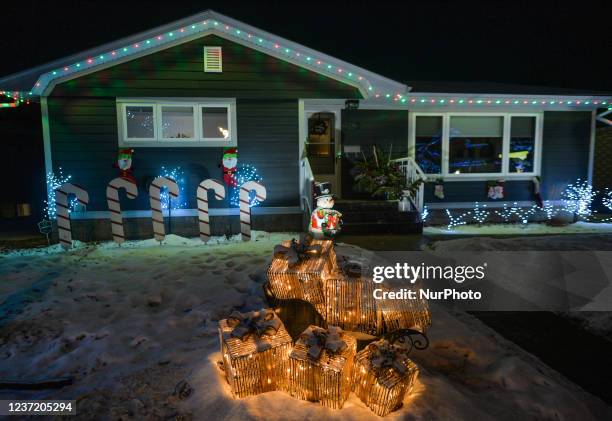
column 114, row 206
column 229, row 166
column 203, row 216
column 324, row 221
column 63, row 211
column 321, row 366
column 245, row 205
column 349, row 300
column 384, row 374
column 45, row 227
column 156, row 206
column 255, row 348
column 299, row 267
column 124, row 163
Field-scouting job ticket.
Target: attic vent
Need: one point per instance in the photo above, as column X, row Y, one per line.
column 213, row 60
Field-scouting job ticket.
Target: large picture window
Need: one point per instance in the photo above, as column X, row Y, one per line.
column 178, row 123
column 475, row 145
column 472, row 146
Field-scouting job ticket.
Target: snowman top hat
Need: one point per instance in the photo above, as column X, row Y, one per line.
column 323, row 189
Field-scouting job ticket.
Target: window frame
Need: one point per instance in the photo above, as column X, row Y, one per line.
column 505, row 173
column 158, row 140
column 160, row 111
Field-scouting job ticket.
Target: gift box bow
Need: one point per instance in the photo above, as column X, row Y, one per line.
column 316, row 339
column 386, row 355
column 255, row 324
column 298, row 250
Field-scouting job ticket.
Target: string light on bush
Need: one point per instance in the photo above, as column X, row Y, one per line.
column 178, row 175
column 549, row 209
column 480, row 213
column 505, row 213
column 454, row 221
column 244, row 173
column 54, row 181
column 424, row 214
column 607, row 202
column 578, row 198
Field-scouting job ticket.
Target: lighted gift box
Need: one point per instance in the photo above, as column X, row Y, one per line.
column 383, row 376
column 405, row 313
column 255, row 348
column 298, row 268
column 321, row 366
column 350, row 304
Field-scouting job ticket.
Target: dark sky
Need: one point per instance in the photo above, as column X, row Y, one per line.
column 526, row 42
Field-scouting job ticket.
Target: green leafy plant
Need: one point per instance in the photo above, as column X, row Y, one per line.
column 381, row 178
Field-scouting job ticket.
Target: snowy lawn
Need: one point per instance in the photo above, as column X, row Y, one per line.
column 136, row 327
column 520, row 229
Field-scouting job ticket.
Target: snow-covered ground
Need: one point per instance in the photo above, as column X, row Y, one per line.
column 580, row 227
column 132, row 323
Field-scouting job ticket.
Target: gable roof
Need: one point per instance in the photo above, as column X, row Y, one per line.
column 40, row 80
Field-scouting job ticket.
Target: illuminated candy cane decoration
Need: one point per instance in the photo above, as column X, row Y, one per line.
column 219, row 189
column 156, row 207
column 245, row 206
column 63, row 214
column 114, row 206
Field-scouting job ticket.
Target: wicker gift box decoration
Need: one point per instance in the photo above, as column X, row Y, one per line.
column 298, row 268
column 349, row 300
column 405, row 314
column 321, row 366
column 383, row 376
column 255, row 347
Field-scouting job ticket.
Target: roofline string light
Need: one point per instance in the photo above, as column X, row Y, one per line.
column 189, row 30
column 294, row 56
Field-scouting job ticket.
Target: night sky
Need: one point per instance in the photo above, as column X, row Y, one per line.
column 546, row 44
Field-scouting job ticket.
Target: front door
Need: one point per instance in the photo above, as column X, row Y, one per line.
column 323, row 148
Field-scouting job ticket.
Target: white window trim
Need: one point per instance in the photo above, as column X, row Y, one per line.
column 504, row 174
column 160, row 142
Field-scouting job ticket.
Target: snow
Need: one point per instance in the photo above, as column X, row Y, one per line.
column 580, row 227
column 130, row 323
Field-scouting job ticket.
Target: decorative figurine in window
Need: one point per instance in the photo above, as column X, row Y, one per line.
column 325, row 222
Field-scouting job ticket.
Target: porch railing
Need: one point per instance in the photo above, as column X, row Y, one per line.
column 306, row 185
column 413, row 172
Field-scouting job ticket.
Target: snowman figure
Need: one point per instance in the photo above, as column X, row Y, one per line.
column 325, row 221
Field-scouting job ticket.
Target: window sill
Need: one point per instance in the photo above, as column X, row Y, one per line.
column 479, row 177
column 176, row 143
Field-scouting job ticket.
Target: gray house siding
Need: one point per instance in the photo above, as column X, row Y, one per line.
column 565, row 150
column 84, row 145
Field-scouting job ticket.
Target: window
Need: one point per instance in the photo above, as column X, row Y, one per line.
column 177, row 122
column 210, row 122
column 215, row 122
column 140, row 121
column 428, row 143
column 472, row 146
column 475, row 145
column 522, row 144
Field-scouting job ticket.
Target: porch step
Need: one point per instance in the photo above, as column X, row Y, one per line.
column 377, row 217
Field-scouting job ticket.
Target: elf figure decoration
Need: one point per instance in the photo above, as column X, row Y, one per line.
column 124, row 163
column 324, row 221
column 439, row 189
column 495, row 189
column 229, row 166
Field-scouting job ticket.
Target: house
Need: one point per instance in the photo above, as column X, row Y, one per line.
column 181, row 93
